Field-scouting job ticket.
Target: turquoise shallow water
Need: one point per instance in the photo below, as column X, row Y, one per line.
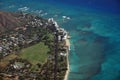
column 95, row 36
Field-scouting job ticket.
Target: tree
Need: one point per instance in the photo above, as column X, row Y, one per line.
column 1, row 56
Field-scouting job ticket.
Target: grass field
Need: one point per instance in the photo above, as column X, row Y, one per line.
column 35, row 54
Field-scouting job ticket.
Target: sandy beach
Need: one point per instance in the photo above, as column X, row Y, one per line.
column 68, row 67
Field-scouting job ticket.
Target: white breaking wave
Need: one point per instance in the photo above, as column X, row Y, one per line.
column 23, row 9
column 11, row 6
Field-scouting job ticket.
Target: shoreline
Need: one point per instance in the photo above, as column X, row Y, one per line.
column 68, row 66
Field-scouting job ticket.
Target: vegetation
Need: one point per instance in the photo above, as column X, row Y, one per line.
column 30, row 51
column 35, row 54
column 5, row 60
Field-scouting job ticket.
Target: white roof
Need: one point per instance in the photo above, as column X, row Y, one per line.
column 63, row 54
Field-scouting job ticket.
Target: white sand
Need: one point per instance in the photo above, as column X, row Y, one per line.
column 67, row 72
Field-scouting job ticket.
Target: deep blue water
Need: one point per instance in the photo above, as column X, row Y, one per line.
column 106, row 5
column 94, row 28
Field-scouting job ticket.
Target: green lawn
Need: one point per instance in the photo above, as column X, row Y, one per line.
column 36, row 53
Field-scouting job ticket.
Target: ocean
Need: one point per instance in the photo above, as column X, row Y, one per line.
column 94, row 27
